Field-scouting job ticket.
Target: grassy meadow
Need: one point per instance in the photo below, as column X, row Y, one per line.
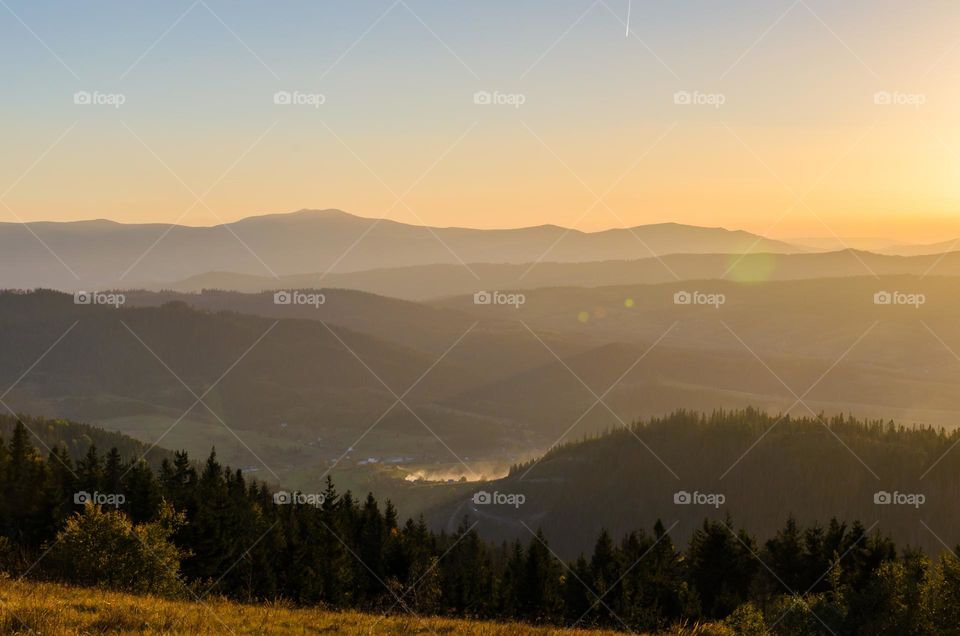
column 48, row 609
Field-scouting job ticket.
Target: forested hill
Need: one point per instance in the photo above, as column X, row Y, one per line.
column 290, row 381
column 766, row 468
column 76, row 438
column 191, row 530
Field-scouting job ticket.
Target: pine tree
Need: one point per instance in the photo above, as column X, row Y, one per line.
column 784, row 555
column 512, row 581
column 721, row 567
column 467, row 586
column 604, row 581
column 142, row 492
column 578, row 602
column 113, row 470
column 90, row 471
column 540, row 591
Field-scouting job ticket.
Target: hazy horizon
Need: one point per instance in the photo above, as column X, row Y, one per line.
column 691, row 113
column 800, row 241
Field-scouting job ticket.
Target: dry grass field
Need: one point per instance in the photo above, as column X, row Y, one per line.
column 47, row 609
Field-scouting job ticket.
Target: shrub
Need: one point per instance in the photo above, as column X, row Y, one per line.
column 105, row 549
column 942, row 591
column 747, row 620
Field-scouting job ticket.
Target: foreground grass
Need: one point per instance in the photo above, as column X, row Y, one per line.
column 47, row 609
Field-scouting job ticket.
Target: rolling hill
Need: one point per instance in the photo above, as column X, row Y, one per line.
column 97, row 254
column 76, row 438
column 499, row 383
column 873, row 360
column 432, row 282
column 766, row 469
column 295, row 389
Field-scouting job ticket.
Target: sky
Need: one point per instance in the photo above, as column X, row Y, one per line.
column 790, row 118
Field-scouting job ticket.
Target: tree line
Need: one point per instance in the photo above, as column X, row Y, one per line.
column 198, row 529
column 768, row 467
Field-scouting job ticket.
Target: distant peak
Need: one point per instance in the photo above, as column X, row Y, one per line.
column 304, row 212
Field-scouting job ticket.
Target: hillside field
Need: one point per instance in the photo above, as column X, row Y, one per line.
column 57, row 610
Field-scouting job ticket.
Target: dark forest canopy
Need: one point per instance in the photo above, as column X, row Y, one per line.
column 768, row 468
column 201, row 529
column 76, row 438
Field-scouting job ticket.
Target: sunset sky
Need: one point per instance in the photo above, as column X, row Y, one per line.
column 797, row 148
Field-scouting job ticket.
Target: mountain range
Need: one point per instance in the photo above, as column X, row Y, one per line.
column 301, row 383
column 100, row 253
column 432, row 282
column 331, row 248
column 401, row 381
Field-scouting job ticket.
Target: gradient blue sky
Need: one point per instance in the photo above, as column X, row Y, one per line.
column 798, row 80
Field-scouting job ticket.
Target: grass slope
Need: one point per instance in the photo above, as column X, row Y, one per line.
column 49, row 609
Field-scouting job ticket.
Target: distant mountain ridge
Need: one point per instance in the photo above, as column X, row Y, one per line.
column 495, row 383
column 101, row 253
column 431, row 282
column 940, row 247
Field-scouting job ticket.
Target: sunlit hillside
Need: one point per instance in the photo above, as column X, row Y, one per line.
column 54, row 610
